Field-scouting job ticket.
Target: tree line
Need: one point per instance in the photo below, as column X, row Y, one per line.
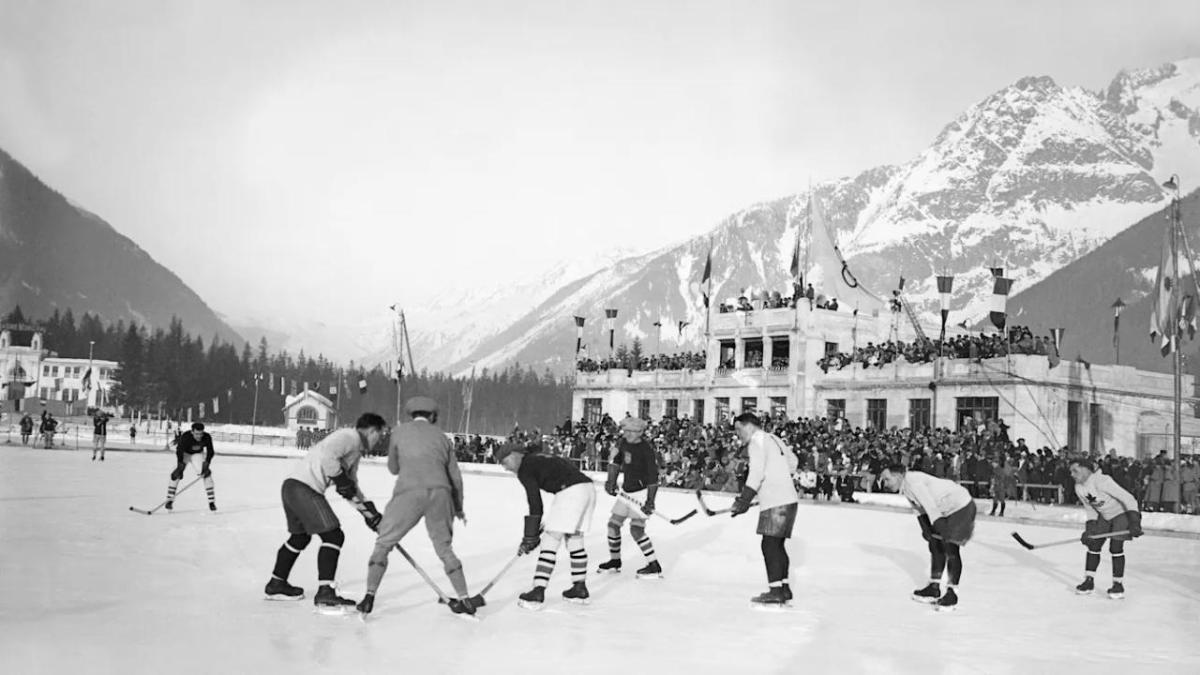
column 167, row 371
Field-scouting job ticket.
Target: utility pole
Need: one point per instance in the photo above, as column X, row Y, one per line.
column 91, row 376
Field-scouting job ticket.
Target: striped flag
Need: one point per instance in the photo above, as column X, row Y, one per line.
column 996, row 271
column 216, row 405
column 362, row 385
column 1055, row 348
column 579, row 320
column 202, row 415
column 945, row 288
column 999, row 312
column 706, row 278
column 610, row 324
column 1163, row 328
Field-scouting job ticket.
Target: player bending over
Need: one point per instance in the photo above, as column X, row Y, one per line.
column 333, row 460
column 1109, row 508
column 946, row 514
column 569, row 518
column 772, row 463
column 634, row 457
column 187, row 451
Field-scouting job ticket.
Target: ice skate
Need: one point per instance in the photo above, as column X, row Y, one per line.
column 366, row 605
column 212, row 506
column 651, row 571
column 1086, row 587
column 774, row 598
column 278, row 589
column 929, row 594
column 327, row 601
column 1117, row 591
column 170, row 505
column 578, row 593
column 533, row 598
column 787, row 593
column 948, row 602
column 462, row 607
column 610, row 567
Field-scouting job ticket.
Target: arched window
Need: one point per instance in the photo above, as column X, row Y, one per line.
column 306, row 415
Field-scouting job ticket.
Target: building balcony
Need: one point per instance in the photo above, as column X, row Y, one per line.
column 619, row 378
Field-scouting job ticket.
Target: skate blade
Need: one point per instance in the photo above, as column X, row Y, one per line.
column 772, row 607
column 1116, row 596
column 1079, row 592
column 924, row 601
column 283, row 598
column 467, row 617
column 531, row 606
column 346, row 610
column 579, row 601
column 650, row 577
column 600, row 571
column 945, row 608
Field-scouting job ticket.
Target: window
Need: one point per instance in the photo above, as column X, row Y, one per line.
column 592, row 410
column 978, row 408
column 780, row 352
column 835, row 407
column 45, row 371
column 877, row 413
column 672, row 409
column 43, row 393
column 727, row 355
column 831, row 348
column 754, row 354
column 698, row 410
column 644, row 408
column 306, row 415
column 722, row 408
column 749, row 403
column 1095, row 429
column 1073, row 422
column 919, row 413
column 779, row 406
column 54, row 371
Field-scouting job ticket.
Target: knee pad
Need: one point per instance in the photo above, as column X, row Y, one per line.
column 298, row 542
column 615, row 522
column 335, row 537
column 1115, row 546
column 637, row 529
column 1095, row 545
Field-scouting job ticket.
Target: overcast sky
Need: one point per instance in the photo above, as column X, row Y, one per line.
column 314, row 158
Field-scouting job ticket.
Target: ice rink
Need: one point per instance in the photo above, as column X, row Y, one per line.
column 90, row 587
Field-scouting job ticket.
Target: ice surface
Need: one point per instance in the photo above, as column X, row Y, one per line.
column 90, row 587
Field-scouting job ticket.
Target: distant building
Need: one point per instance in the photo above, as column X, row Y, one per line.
column 309, row 410
column 29, row 371
column 766, row 360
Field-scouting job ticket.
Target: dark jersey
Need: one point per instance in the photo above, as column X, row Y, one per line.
column 100, row 425
column 638, row 462
column 552, row 474
column 188, row 445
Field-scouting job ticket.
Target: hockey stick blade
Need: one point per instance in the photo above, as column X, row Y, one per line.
column 703, row 506
column 141, row 511
column 1028, row 546
column 680, row 519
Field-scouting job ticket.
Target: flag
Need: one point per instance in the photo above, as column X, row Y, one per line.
column 271, row 381
column 87, row 379
column 362, row 385
column 610, row 321
column 202, row 414
column 579, row 320
column 999, row 312
column 945, row 288
column 282, row 386
column 333, row 390
column 830, row 271
column 996, row 271
column 1117, row 306
column 189, row 415
column 797, row 277
column 1163, row 327
column 1054, row 349
column 682, row 325
column 216, row 405
column 703, row 288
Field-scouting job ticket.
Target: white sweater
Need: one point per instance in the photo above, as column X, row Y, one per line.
column 771, row 465
column 935, row 497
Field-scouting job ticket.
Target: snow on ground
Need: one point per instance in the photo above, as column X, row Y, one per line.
column 91, row 587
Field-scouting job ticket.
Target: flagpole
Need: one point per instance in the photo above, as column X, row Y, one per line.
column 1176, row 226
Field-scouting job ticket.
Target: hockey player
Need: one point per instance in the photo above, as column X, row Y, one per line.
column 772, row 464
column 569, row 517
column 636, row 459
column 26, row 428
column 946, row 514
column 428, row 485
column 187, row 451
column 1109, row 508
column 99, row 434
column 334, row 460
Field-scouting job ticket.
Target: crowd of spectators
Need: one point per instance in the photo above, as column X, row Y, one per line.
column 677, row 361
column 756, row 300
column 1020, row 340
column 305, row 437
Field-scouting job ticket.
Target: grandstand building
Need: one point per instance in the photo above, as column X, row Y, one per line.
column 767, row 360
column 30, row 373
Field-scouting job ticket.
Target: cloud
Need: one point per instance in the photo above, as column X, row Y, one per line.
column 26, row 128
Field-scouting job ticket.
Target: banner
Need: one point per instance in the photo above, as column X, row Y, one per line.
column 832, row 273
column 578, row 333
column 610, row 322
column 945, row 288
column 999, row 313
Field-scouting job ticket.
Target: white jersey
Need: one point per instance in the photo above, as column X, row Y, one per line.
column 1101, row 495
column 336, row 453
column 935, row 497
column 771, row 465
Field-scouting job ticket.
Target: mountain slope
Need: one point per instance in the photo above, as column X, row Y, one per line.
column 55, row 255
column 1031, row 178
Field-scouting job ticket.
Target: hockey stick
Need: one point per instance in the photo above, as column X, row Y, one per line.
column 711, row 512
column 442, row 597
column 477, row 599
column 641, row 507
column 1031, row 547
column 177, row 493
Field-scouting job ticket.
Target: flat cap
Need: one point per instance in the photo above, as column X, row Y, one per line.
column 635, row 424
column 420, row 404
column 507, row 449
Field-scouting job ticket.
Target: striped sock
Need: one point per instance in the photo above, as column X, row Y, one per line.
column 647, row 548
column 210, row 489
column 171, row 490
column 578, row 559
column 614, row 547
column 545, row 565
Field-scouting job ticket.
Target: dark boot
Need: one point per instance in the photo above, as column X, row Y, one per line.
column 278, row 589
column 929, row 594
column 578, row 593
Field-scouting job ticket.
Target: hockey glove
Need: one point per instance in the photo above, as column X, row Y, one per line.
column 743, row 501
column 345, row 486
column 177, row 474
column 926, row 527
column 533, row 535
column 1090, row 528
column 205, row 472
column 610, row 486
column 370, row 514
column 1135, row 523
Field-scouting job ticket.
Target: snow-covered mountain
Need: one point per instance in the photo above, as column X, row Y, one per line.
column 1029, row 179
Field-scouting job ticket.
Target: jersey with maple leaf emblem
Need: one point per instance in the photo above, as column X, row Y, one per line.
column 1101, row 496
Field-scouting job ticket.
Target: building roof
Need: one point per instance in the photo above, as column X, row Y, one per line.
column 309, row 395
